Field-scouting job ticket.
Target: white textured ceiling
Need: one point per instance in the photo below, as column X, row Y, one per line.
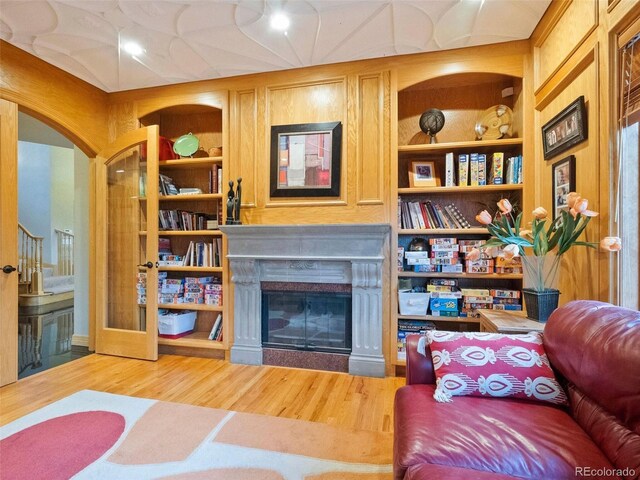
column 195, row 40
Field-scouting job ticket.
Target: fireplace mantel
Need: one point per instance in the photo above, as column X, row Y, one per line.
column 335, row 253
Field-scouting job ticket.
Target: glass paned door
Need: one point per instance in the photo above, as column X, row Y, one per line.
column 126, row 241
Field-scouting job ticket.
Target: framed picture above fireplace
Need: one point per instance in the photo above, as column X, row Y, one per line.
column 305, row 160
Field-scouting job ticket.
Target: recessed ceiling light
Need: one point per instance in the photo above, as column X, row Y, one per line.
column 279, row 21
column 133, row 49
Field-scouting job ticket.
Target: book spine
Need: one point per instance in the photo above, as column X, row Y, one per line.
column 418, row 215
column 463, row 170
column 425, row 216
column 497, row 168
column 434, row 215
column 482, row 169
column 450, row 174
column 473, row 166
column 443, row 217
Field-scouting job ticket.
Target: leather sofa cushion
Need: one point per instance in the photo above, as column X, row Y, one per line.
column 507, row 436
column 427, row 471
column 596, row 346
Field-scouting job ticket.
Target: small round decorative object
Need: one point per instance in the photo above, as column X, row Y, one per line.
column 494, row 123
column 186, row 145
column 418, row 244
column 431, row 122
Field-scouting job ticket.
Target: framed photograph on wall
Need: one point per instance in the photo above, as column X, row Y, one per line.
column 563, row 182
column 423, row 174
column 305, row 160
column 565, row 130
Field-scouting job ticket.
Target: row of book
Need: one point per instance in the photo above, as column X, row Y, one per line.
column 215, row 179
column 194, row 290
column 186, row 221
column 448, row 300
column 167, row 186
column 448, row 255
column 421, row 215
column 473, row 169
column 199, row 254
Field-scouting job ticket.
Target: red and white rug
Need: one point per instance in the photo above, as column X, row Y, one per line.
column 95, row 435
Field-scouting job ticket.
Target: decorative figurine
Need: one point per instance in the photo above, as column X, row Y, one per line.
column 230, row 204
column 431, row 122
column 238, row 203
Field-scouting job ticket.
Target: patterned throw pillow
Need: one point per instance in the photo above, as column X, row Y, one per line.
column 492, row 365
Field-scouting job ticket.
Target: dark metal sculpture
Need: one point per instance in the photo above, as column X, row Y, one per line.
column 233, row 203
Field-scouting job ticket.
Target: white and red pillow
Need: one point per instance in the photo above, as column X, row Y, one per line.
column 492, row 365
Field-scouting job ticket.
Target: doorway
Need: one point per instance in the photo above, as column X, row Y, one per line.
column 53, row 256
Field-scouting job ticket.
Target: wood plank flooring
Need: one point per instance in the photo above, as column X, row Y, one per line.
column 326, row 397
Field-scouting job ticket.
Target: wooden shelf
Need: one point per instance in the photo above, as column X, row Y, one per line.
column 434, row 318
column 443, row 231
column 180, row 233
column 450, row 146
column 193, row 340
column 189, row 198
column 190, row 306
column 189, row 162
column 483, row 188
column 485, row 276
column 189, row 269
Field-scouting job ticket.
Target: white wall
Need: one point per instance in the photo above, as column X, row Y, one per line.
column 81, row 250
column 34, row 192
column 62, row 194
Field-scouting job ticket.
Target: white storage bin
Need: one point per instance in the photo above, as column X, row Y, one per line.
column 175, row 323
column 412, row 303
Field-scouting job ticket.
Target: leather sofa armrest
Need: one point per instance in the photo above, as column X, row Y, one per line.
column 419, row 367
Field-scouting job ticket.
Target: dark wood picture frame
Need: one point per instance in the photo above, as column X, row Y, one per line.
column 566, row 129
column 328, row 184
column 563, row 178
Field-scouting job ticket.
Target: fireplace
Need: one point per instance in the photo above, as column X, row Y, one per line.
column 306, row 320
column 346, row 261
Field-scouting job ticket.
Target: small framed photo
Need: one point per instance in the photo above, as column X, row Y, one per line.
column 565, row 130
column 563, row 182
column 423, row 174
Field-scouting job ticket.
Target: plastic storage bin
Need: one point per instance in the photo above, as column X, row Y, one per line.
column 412, row 303
column 176, row 324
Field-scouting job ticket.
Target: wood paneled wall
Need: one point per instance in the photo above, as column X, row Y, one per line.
column 71, row 106
column 574, row 54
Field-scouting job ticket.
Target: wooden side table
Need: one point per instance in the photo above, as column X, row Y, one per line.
column 501, row 321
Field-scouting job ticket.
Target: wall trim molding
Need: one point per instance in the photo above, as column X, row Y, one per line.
column 80, row 340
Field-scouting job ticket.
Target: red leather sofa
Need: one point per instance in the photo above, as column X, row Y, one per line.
column 594, row 349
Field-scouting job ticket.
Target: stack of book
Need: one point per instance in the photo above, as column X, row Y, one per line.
column 474, row 299
column 442, row 256
column 166, row 258
column 427, row 215
column 445, row 295
column 513, row 265
column 407, row 327
column 190, row 290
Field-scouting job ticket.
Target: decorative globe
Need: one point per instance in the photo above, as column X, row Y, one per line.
column 432, row 121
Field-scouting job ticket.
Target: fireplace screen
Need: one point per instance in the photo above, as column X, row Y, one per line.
column 307, row 321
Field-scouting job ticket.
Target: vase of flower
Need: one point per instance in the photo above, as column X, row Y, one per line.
column 541, row 247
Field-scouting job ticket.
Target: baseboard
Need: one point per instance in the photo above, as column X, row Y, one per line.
column 80, row 340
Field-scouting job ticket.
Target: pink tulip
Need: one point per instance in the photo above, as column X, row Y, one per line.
column 492, row 252
column 505, row 206
column 473, row 255
column 580, row 207
column 571, row 199
column 511, row 251
column 484, row 217
column 611, row 244
column 540, row 213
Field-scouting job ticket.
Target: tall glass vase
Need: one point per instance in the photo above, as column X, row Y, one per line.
column 540, row 285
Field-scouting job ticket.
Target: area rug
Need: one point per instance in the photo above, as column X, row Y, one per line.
column 95, row 435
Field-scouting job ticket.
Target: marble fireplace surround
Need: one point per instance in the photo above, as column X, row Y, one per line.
column 341, row 253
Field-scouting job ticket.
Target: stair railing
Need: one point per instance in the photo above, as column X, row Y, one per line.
column 30, row 260
column 65, row 242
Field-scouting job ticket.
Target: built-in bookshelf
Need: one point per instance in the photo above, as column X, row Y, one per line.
column 192, row 266
column 444, row 211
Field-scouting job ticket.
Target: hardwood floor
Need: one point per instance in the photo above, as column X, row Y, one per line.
column 326, row 397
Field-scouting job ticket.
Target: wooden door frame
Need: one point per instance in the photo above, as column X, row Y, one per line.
column 9, row 241
column 112, row 341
